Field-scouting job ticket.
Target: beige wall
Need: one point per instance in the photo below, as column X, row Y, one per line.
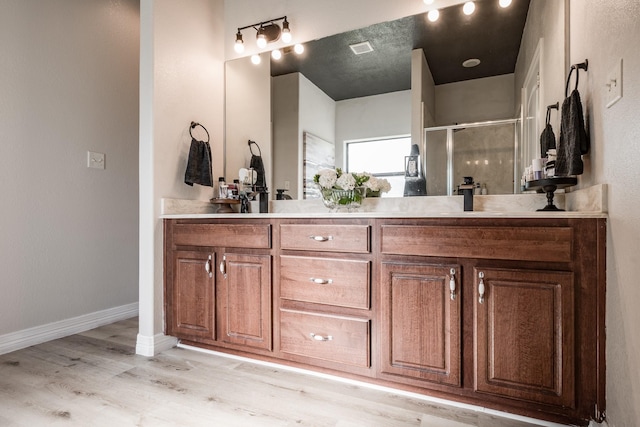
column 604, row 32
column 489, row 98
column 68, row 85
column 181, row 80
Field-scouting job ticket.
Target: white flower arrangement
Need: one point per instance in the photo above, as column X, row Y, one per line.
column 339, row 180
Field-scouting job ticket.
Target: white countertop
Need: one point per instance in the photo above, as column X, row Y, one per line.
column 584, row 203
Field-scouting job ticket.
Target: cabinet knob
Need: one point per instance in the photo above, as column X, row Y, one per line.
column 452, row 283
column 320, row 337
column 321, row 238
column 318, row 281
column 481, row 288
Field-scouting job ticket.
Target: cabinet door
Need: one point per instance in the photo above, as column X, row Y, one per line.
column 420, row 329
column 193, row 296
column 524, row 322
column 245, row 300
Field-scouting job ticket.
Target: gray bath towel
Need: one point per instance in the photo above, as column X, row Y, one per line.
column 573, row 141
column 199, row 164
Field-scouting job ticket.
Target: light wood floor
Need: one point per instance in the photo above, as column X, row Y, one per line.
column 95, row 379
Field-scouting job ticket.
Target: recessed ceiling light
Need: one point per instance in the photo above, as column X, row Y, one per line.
column 433, row 15
column 470, row 63
column 469, row 7
column 505, row 3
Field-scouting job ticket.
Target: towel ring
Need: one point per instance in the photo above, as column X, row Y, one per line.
column 581, row 66
column 253, row 142
column 193, row 125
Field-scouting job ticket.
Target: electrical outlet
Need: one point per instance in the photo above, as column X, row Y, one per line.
column 613, row 86
column 287, row 185
column 95, row 160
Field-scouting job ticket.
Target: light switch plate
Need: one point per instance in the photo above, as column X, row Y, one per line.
column 613, row 85
column 95, row 160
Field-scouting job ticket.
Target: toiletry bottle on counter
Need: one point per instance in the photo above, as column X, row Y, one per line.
column 222, row 188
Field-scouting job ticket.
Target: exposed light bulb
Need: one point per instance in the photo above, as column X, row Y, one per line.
column 428, row 2
column 298, row 48
column 255, row 59
column 286, row 32
column 276, row 54
column 504, row 3
column 239, row 45
column 469, row 7
column 433, row 15
column 261, row 41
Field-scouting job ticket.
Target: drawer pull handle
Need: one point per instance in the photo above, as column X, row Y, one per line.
column 452, row 283
column 318, row 281
column 321, row 238
column 207, row 267
column 481, row 288
column 320, row 337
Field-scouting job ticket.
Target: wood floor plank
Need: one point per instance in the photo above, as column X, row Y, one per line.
column 95, row 379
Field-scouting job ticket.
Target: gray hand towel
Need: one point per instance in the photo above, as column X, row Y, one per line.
column 547, row 140
column 573, row 141
column 199, row 164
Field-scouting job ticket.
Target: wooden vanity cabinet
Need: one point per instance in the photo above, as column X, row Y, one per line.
column 532, row 297
column 504, row 313
column 218, row 283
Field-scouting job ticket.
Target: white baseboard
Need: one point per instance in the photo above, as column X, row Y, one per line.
column 151, row 345
column 27, row 337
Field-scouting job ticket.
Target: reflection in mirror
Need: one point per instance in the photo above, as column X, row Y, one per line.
column 484, row 151
column 301, row 102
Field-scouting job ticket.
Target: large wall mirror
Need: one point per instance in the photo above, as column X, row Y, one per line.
column 414, row 79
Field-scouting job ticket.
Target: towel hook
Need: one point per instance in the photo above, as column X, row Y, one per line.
column 193, row 125
column 581, row 66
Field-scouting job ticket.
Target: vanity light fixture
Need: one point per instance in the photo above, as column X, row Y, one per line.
column 468, row 8
column 266, row 32
column 255, row 59
column 298, row 48
column 428, row 2
column 433, row 15
column 276, row 54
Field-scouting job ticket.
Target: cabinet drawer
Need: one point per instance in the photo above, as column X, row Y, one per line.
column 330, row 338
column 223, row 235
column 325, row 237
column 332, row 281
column 552, row 244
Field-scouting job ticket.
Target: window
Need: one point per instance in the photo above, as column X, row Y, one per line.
column 382, row 157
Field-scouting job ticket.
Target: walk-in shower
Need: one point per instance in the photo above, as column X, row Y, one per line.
column 487, row 151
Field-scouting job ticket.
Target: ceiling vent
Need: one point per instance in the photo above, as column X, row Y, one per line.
column 360, row 48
